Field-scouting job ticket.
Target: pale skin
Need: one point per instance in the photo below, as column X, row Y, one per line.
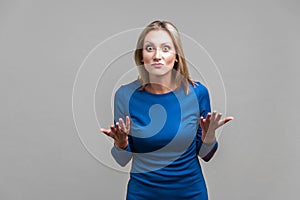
column 159, row 58
column 119, row 132
column 210, row 124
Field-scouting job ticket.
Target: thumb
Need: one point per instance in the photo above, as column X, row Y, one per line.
column 227, row 119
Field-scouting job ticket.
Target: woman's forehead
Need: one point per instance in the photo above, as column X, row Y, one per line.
column 158, row 37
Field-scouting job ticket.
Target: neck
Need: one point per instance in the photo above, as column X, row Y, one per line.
column 160, row 86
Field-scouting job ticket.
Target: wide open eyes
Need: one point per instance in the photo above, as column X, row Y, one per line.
column 165, row 48
column 149, row 48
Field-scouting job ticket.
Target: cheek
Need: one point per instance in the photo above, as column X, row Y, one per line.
column 170, row 58
column 146, row 57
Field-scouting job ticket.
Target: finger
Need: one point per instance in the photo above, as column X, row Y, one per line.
column 127, row 123
column 202, row 122
column 213, row 115
column 208, row 116
column 219, row 115
column 107, row 132
column 225, row 120
column 122, row 124
column 218, row 120
column 113, row 128
column 207, row 120
column 118, row 129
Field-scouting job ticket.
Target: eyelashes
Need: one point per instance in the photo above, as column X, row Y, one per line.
column 150, row 48
column 166, row 48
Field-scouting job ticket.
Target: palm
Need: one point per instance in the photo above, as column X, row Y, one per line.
column 210, row 124
column 119, row 132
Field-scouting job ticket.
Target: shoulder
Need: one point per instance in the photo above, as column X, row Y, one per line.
column 127, row 89
column 202, row 94
column 199, row 89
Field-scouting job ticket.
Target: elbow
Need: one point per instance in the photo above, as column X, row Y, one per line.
column 122, row 164
column 121, row 157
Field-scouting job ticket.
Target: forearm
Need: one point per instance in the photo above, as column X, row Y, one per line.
column 207, row 150
column 122, row 157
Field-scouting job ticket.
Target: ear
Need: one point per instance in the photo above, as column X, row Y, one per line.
column 176, row 59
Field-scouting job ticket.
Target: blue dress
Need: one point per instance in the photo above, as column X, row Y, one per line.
column 164, row 142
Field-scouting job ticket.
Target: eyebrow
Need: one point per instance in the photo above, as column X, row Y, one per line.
column 161, row 43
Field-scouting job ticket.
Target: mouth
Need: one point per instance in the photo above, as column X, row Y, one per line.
column 157, row 65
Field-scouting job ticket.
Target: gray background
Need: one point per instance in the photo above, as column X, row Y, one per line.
column 42, row 44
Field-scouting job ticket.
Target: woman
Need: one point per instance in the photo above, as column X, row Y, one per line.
column 163, row 121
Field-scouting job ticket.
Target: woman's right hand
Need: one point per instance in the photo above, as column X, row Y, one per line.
column 119, row 133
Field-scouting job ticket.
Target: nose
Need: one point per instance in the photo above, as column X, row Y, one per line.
column 157, row 54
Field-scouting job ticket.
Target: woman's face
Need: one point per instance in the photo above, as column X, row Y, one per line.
column 159, row 53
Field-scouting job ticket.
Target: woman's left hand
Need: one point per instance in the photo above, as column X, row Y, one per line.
column 210, row 124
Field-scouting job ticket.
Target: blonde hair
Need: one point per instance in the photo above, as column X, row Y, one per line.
column 181, row 75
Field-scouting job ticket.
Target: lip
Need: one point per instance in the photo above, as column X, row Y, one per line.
column 157, row 64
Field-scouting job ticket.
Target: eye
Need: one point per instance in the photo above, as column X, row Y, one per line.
column 149, row 48
column 166, row 48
